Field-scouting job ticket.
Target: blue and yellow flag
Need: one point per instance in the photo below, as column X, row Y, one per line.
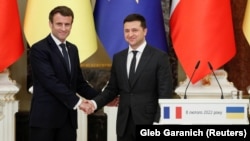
column 83, row 34
column 109, row 16
column 235, row 112
column 246, row 22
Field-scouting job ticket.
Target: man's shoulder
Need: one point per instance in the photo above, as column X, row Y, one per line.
column 155, row 49
column 124, row 51
column 42, row 41
column 70, row 44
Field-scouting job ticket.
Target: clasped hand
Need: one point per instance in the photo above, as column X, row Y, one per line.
column 87, row 106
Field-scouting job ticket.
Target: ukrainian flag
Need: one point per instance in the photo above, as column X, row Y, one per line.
column 235, row 112
column 83, row 34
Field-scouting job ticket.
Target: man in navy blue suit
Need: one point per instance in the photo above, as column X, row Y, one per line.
column 57, row 79
column 138, row 95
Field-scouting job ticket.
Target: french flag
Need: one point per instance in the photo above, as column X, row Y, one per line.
column 202, row 30
column 167, row 112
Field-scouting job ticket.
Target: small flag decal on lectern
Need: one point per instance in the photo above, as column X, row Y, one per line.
column 166, row 112
column 235, row 112
column 178, row 112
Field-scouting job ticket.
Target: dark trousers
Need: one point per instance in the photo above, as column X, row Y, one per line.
column 65, row 133
column 129, row 134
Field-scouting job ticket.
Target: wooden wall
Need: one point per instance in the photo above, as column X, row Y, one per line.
column 239, row 67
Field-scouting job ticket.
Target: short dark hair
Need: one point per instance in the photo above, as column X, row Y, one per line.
column 63, row 10
column 136, row 17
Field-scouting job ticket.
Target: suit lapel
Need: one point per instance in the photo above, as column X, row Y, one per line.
column 123, row 66
column 58, row 53
column 142, row 64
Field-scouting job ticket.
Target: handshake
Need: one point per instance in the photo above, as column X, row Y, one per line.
column 87, row 106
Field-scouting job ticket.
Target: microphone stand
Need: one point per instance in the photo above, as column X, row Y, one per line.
column 211, row 68
column 196, row 66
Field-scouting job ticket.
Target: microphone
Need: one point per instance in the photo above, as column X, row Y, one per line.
column 196, row 67
column 211, row 68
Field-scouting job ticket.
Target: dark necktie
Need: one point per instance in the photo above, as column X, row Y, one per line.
column 132, row 67
column 65, row 55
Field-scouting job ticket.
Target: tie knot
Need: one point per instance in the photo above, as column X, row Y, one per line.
column 134, row 52
column 62, row 45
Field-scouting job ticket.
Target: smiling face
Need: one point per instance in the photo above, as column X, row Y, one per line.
column 134, row 33
column 61, row 26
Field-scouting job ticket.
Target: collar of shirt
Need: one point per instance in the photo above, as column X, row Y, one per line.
column 57, row 42
column 138, row 55
column 139, row 49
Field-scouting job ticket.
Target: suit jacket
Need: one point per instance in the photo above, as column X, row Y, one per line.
column 153, row 80
column 54, row 87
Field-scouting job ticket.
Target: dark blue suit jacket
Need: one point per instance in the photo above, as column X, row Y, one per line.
column 152, row 81
column 54, row 87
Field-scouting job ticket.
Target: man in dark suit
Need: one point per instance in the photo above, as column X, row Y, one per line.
column 138, row 95
column 57, row 79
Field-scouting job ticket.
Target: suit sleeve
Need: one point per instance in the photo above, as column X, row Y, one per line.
column 164, row 77
column 49, row 76
column 165, row 82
